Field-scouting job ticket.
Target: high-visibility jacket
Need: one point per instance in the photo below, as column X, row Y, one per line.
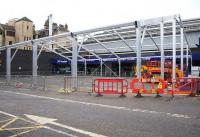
column 159, row 85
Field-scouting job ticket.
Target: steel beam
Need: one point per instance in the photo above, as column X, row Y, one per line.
column 182, row 35
column 174, row 50
column 14, row 54
column 69, row 51
column 8, row 65
column 85, row 66
column 50, row 28
column 50, row 25
column 155, row 21
column 133, row 58
column 162, row 59
column 91, row 52
column 104, row 46
column 40, row 52
column 143, row 35
column 34, row 63
column 187, row 58
column 74, row 58
column 57, row 53
column 152, row 39
column 123, row 40
column 138, row 47
column 101, row 65
column 119, row 62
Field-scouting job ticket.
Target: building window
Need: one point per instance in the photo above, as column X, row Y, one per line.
column 27, row 27
column 24, row 38
column 10, row 33
column 10, row 43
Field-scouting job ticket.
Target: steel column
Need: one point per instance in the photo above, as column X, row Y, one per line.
column 187, row 57
column 174, row 50
column 181, row 31
column 74, row 63
column 8, row 65
column 190, row 64
column 50, row 28
column 138, row 47
column 50, row 25
column 34, row 63
column 101, row 64
column 85, row 65
column 162, row 59
column 119, row 61
column 74, row 58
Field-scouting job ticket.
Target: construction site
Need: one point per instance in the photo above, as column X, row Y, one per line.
column 121, row 80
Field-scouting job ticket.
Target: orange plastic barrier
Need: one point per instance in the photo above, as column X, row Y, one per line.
column 148, row 86
column 110, row 86
column 186, row 86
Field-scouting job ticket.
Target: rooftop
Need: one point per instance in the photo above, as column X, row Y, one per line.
column 24, row 19
column 190, row 25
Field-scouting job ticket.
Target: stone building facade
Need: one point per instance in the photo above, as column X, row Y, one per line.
column 17, row 30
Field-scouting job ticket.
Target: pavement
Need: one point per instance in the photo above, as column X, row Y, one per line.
column 32, row 113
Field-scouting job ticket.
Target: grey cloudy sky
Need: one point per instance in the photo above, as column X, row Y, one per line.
column 85, row 14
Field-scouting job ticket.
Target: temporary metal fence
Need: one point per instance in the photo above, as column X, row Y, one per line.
column 22, row 81
column 85, row 83
column 81, row 83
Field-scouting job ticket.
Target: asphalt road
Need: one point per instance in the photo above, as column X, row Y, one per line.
column 25, row 113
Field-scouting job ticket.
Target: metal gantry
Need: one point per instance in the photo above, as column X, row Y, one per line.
column 131, row 38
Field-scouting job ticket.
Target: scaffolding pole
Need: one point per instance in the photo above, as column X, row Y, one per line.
column 162, row 59
column 138, row 47
column 8, row 65
column 34, row 62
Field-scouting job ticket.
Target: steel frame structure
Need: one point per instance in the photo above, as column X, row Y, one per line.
column 79, row 44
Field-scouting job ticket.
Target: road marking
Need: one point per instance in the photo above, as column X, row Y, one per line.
column 7, row 114
column 6, row 120
column 13, row 119
column 8, row 123
column 22, row 128
column 45, row 120
column 24, row 132
column 60, row 132
column 101, row 105
column 30, row 128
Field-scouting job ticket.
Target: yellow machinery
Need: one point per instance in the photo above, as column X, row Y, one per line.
column 152, row 69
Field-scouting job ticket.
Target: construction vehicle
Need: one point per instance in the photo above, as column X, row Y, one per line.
column 152, row 70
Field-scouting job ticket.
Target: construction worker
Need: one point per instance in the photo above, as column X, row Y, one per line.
column 160, row 86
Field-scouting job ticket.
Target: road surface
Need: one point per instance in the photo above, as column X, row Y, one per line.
column 42, row 114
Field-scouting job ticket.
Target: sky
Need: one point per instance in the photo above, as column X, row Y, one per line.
column 86, row 14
